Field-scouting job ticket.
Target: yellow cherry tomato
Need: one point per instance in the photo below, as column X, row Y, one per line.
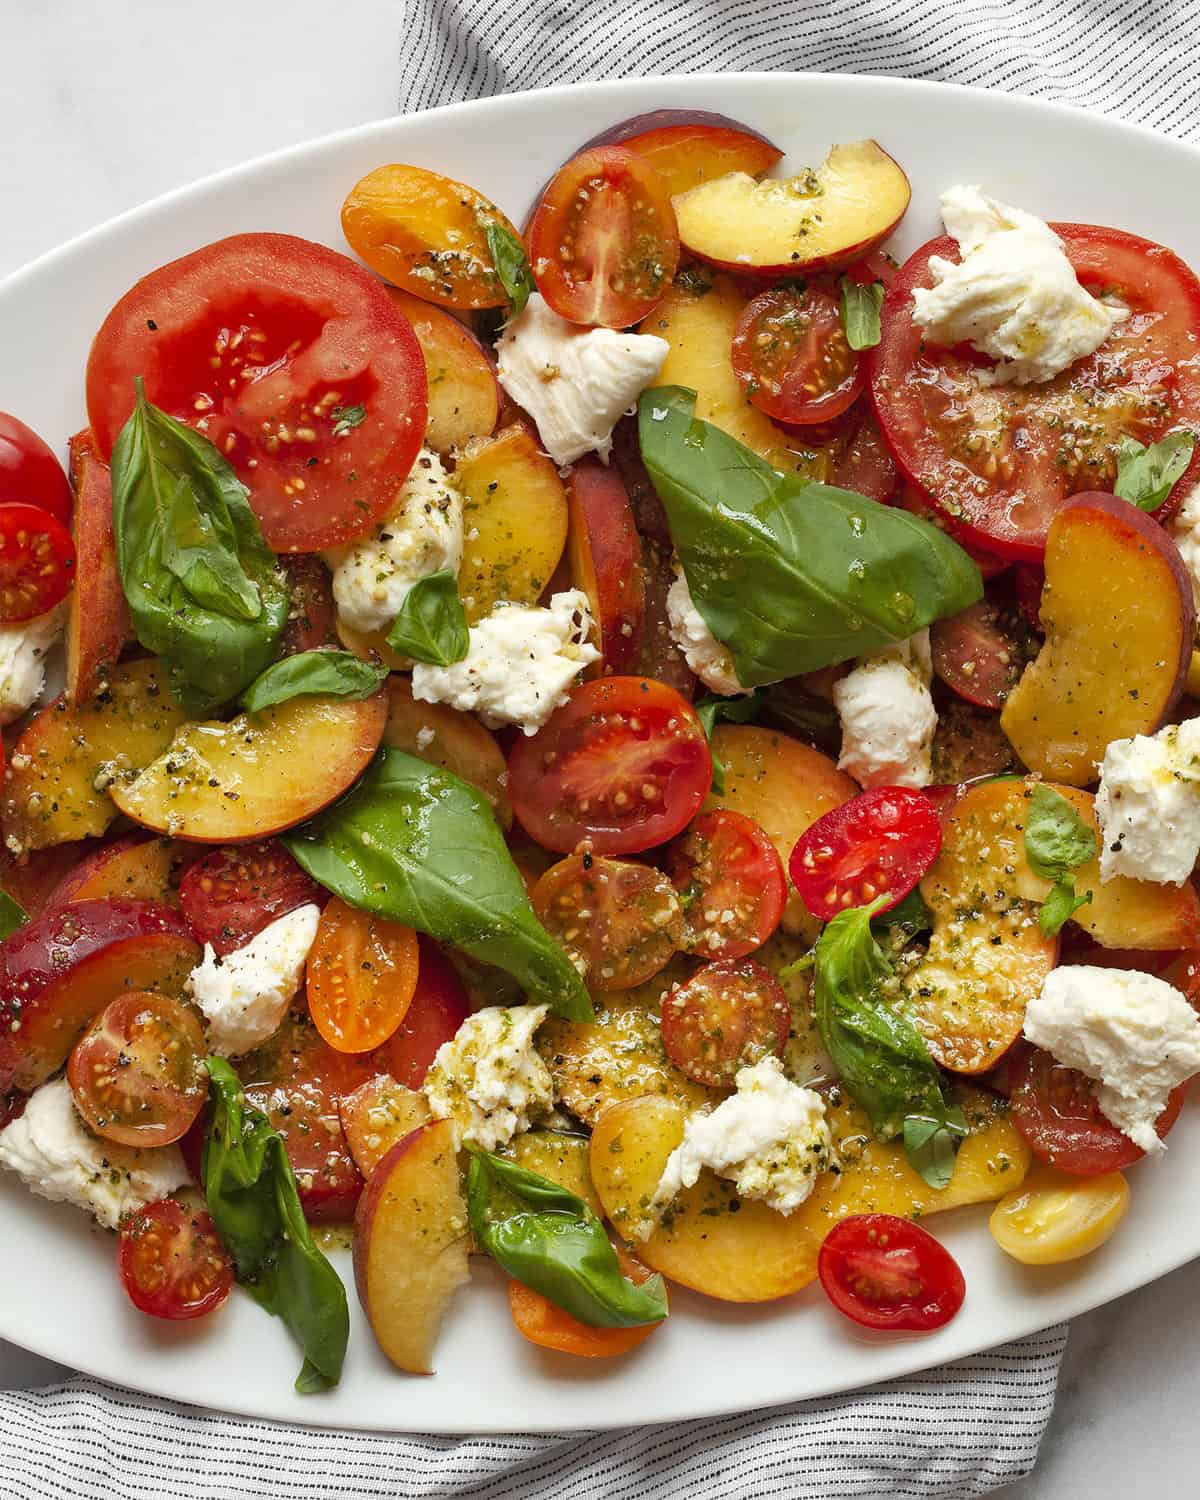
column 1054, row 1217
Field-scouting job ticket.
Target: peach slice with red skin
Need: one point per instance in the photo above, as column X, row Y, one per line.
column 98, row 624
column 688, row 147
column 464, row 395
column 606, row 559
column 377, row 1115
column 138, row 867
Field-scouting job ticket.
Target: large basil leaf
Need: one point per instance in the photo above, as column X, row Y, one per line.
column 333, row 674
column 203, row 588
column 1057, row 842
column 414, row 843
column 550, row 1240
column 791, row 576
column 879, row 1054
column 255, row 1206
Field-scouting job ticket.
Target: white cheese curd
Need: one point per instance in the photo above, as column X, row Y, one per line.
column 520, row 663
column 421, row 534
column 1013, row 295
column 1148, row 805
column 888, row 717
column 704, row 654
column 1134, row 1034
column 1185, row 530
column 770, row 1139
column 490, row 1079
column 574, row 382
column 245, row 994
column 23, row 651
column 53, row 1153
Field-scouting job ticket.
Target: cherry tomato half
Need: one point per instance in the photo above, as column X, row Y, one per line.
column 791, row 356
column 37, row 562
column 360, row 978
column 979, row 653
column 729, row 1015
column 230, row 895
column 172, row 1263
column 879, row 843
column 861, row 461
column 619, row 922
column 731, row 884
column 603, row 243
column 137, row 1074
column 885, row 1272
column 624, row 763
column 30, row 474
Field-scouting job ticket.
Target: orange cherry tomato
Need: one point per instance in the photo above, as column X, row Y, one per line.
column 361, row 977
column 172, row 1263
column 547, row 1325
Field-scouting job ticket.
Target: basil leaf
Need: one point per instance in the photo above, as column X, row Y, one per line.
column 332, row 674
column 1146, row 476
column 346, row 418
column 432, row 624
column 413, row 843
column 712, row 710
column 879, row 1054
column 791, row 576
column 550, row 1240
column 13, row 916
column 1061, row 903
column 203, row 588
column 1057, row 841
column 859, row 307
column 255, row 1206
column 912, row 914
column 512, row 266
column 790, row 707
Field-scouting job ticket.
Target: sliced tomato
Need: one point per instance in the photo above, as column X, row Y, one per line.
column 620, row 923
column 861, row 461
column 361, row 977
column 293, row 360
column 624, row 763
column 731, row 884
column 230, row 895
column 729, row 1015
column 791, row 356
column 172, row 1262
column 1056, row 1110
column 877, row 844
column 137, row 1072
column 603, row 243
column 1001, row 460
column 979, row 653
column 888, row 1273
column 30, row 474
column 37, row 562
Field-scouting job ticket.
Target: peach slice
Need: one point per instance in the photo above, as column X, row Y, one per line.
column 818, row 220
column 688, row 147
column 32, row 880
column 560, row 1158
column 455, row 741
column 259, row 773
column 58, row 770
column 1118, row 614
column 464, row 396
column 606, row 559
column 377, row 1115
column 411, row 1244
column 98, row 624
column 139, row 867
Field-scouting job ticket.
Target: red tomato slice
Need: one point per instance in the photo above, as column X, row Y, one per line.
column 979, row 653
column 885, row 1272
column 620, row 923
column 30, row 474
column 361, row 977
column 172, row 1262
column 861, row 459
column 293, row 360
column 603, row 242
column 729, row 1015
column 1055, row 1109
column 136, row 1073
column 437, row 1010
column 731, row 883
column 791, row 356
column 1002, row 460
column 879, row 843
column 37, row 562
column 624, row 763
column 230, row 895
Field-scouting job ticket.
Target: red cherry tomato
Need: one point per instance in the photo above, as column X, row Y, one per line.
column 30, row 474
column 230, row 895
column 37, row 562
column 879, row 843
column 791, row 356
column 729, row 1015
column 293, row 360
column 137, row 1074
column 861, row 461
column 1055, row 1109
column 885, row 1272
column 979, row 653
column 603, row 242
column 1028, row 582
column 172, row 1263
column 624, row 763
column 731, row 883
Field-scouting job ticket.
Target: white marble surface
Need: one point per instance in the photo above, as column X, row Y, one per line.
column 103, row 105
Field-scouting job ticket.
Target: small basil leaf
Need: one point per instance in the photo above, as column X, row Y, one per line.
column 1057, row 841
column 550, row 1240
column 930, row 1143
column 332, row 674
column 712, row 710
column 860, row 313
column 13, row 916
column 346, row 418
column 1061, row 903
column 790, row 707
column 912, row 914
column 1146, row 476
column 414, row 843
column 512, row 266
column 432, row 624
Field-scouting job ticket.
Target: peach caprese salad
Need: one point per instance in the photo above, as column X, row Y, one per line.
column 651, row 747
